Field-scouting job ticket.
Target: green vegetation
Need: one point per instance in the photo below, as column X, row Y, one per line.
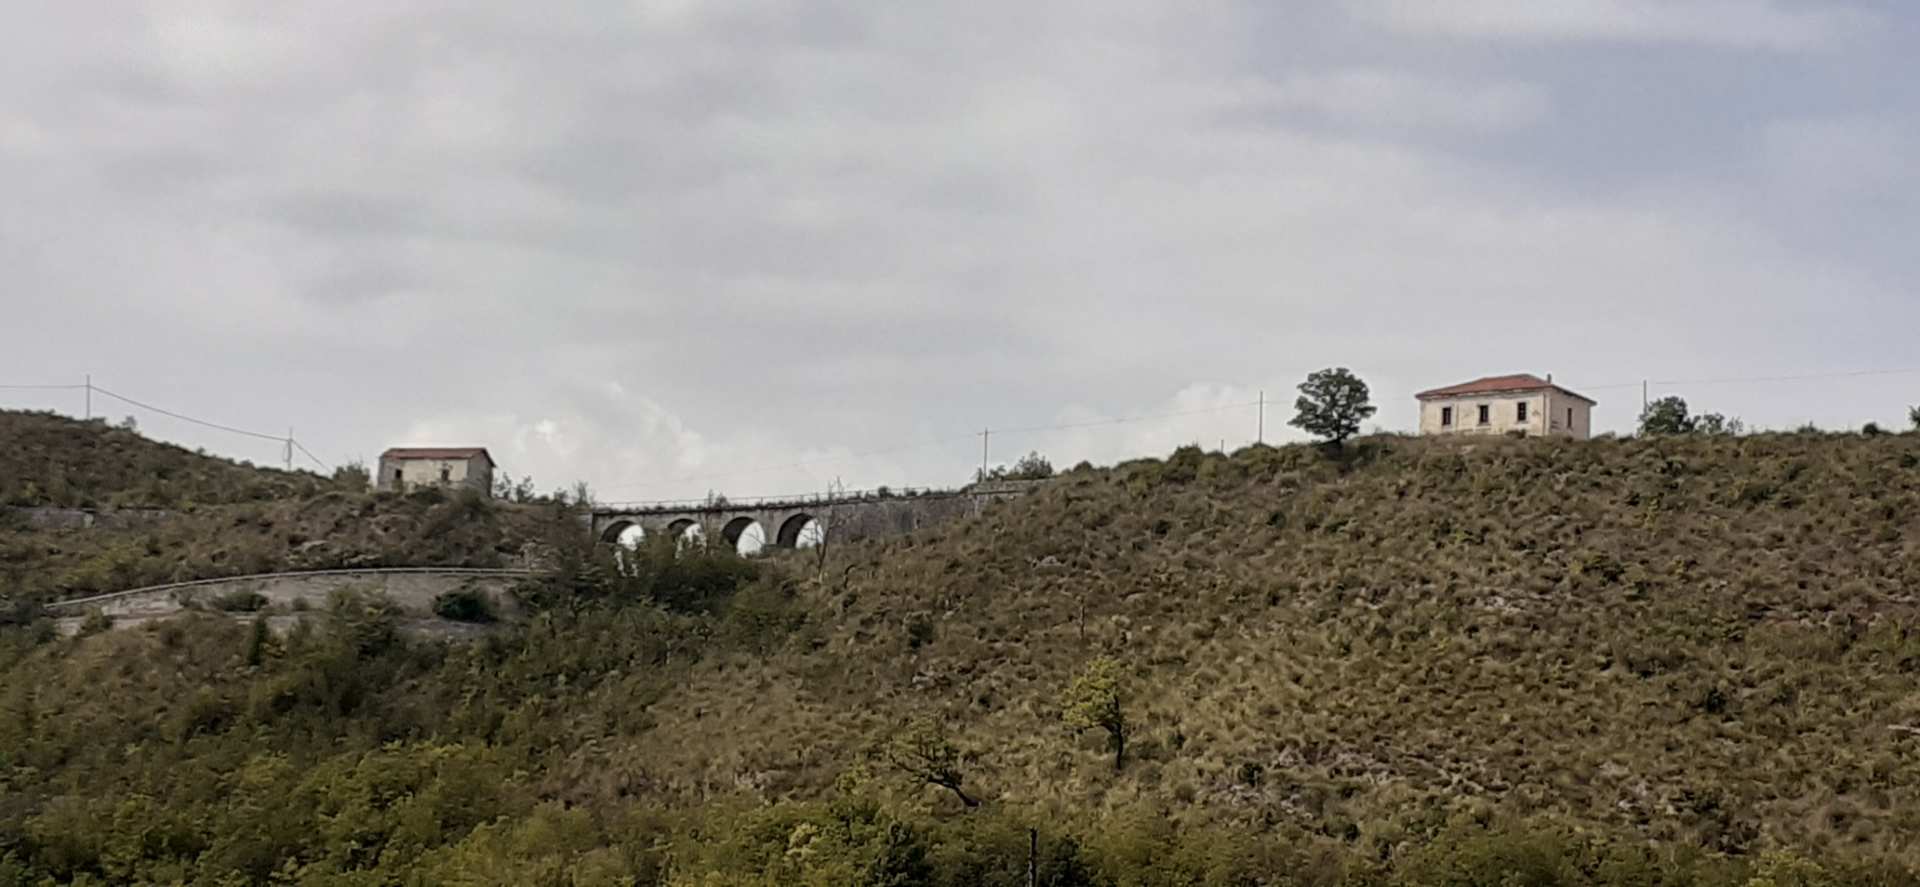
column 464, row 606
column 1332, row 404
column 240, row 602
column 52, row 460
column 1096, row 700
column 1669, row 416
column 224, row 518
column 1032, row 466
column 1681, row 660
column 327, row 531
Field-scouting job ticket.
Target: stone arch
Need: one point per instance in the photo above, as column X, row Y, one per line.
column 791, row 528
column 680, row 529
column 736, row 528
column 612, row 533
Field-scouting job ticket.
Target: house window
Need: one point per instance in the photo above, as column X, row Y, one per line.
column 1520, row 415
column 446, row 474
column 1446, row 417
column 397, row 475
column 1486, row 414
column 1569, row 418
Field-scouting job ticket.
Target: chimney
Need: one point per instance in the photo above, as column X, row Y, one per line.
column 1549, row 378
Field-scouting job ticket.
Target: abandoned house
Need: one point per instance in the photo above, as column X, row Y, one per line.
column 1519, row 404
column 408, row 468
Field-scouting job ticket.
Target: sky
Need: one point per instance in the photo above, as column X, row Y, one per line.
column 762, row 247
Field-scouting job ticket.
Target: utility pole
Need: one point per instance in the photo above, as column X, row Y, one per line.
column 985, row 435
column 289, row 447
column 1261, row 435
column 1643, row 397
column 1033, row 857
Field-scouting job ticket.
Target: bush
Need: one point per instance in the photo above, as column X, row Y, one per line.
column 240, row 602
column 96, row 621
column 465, row 605
column 1032, row 466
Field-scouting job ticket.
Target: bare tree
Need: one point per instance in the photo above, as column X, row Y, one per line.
column 924, row 751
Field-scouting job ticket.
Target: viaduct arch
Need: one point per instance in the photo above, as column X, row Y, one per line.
column 843, row 518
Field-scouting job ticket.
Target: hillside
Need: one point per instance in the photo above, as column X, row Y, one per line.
column 327, row 531
column 1686, row 660
column 1707, row 641
column 49, row 459
column 221, row 518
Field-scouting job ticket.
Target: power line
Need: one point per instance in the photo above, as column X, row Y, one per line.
column 766, row 468
column 939, row 442
column 1740, row 380
column 1801, row 378
column 184, row 418
column 1127, row 419
column 42, row 387
column 324, row 467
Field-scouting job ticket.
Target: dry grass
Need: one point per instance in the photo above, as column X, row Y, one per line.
column 331, row 530
column 48, row 459
column 1704, row 641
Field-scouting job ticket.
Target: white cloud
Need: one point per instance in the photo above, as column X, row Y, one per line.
column 1747, row 24
column 1380, row 98
column 669, row 247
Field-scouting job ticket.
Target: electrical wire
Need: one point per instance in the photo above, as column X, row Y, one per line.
column 324, row 467
column 1125, row 419
column 184, row 418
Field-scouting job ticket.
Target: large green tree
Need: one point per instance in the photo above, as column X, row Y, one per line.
column 1668, row 415
column 1332, row 404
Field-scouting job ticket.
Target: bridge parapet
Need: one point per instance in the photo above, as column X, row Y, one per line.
column 846, row 516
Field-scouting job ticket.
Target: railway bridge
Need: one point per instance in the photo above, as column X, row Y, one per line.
column 791, row 521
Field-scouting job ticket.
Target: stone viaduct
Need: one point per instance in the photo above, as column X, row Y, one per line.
column 783, row 522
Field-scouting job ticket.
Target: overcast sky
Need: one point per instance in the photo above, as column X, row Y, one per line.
column 669, row 246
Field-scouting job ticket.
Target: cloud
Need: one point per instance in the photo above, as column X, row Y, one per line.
column 1389, row 99
column 756, row 246
column 1743, row 24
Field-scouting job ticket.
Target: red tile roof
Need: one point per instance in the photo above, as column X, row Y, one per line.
column 438, row 453
column 1499, row 384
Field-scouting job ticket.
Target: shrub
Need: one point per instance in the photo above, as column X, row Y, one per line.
column 1097, row 699
column 465, row 605
column 96, row 621
column 353, row 477
column 1032, row 466
column 919, row 631
column 240, row 602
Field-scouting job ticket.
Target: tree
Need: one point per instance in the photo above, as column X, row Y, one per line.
column 1715, row 423
column 1668, row 415
column 1096, row 700
column 923, row 751
column 1913, row 416
column 1332, row 404
column 1032, row 466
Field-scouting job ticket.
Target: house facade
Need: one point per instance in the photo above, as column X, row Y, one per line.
column 410, row 468
column 1518, row 404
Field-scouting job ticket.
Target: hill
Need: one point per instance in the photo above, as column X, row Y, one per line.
column 49, row 459
column 221, row 518
column 1668, row 661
